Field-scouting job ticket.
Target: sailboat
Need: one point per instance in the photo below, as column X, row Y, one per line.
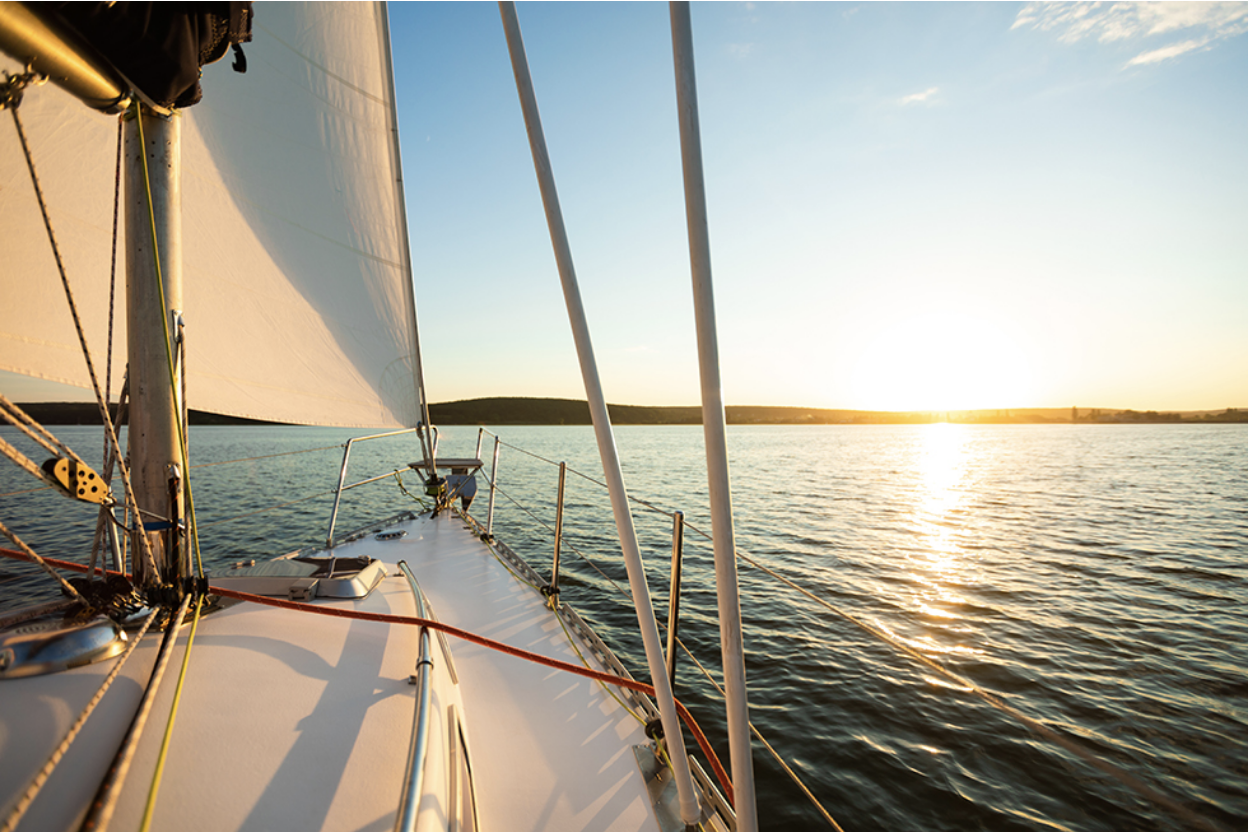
column 414, row 673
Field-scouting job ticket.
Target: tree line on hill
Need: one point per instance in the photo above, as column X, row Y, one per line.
column 529, row 411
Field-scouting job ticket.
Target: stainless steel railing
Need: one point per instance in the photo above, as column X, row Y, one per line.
column 413, row 779
column 342, row 477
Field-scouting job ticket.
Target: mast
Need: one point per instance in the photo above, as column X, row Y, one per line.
column 153, row 292
column 153, row 303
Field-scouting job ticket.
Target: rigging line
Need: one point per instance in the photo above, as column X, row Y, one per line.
column 150, row 806
column 588, row 478
column 569, row 544
column 263, row 510
column 38, row 781
column 22, row 461
column 164, row 322
column 47, row 567
column 547, row 526
column 26, row 491
column 1139, row 786
column 793, row 775
column 112, row 277
column 265, row 456
column 82, row 338
column 106, row 512
column 21, row 420
column 398, row 479
column 106, row 797
column 184, row 425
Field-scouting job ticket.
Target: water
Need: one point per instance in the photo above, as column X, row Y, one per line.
column 1092, row 577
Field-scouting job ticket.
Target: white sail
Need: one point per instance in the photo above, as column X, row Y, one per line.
column 298, row 289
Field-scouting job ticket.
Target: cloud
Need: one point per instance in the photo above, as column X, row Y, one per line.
column 1165, row 52
column 1204, row 24
column 919, row 97
column 740, row 50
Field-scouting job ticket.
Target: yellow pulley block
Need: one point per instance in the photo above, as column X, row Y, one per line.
column 79, row 481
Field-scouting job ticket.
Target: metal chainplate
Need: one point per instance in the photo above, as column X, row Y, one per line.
column 661, row 787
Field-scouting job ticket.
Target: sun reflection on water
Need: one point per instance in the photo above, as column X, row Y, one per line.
column 939, row 564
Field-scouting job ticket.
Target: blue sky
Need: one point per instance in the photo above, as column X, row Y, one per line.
column 912, row 206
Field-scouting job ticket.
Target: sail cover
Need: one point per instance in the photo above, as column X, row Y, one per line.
column 297, row 279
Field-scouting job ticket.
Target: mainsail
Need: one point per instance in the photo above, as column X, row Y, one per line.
column 298, row 289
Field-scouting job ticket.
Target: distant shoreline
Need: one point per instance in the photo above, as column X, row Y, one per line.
column 529, row 411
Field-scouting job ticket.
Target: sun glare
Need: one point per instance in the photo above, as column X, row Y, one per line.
column 942, row 361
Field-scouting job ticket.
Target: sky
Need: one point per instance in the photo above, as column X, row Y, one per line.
column 927, row 206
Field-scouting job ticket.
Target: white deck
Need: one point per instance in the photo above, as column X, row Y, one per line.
column 296, row 721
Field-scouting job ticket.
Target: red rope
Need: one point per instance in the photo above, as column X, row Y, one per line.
column 387, row 618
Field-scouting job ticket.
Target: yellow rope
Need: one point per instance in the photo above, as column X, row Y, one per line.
column 585, row 662
column 150, row 806
column 164, row 322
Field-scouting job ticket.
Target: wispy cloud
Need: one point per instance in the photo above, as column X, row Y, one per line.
column 1165, row 52
column 740, row 50
column 919, row 97
column 1204, row 24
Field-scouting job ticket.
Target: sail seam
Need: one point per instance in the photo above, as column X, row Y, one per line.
column 324, row 69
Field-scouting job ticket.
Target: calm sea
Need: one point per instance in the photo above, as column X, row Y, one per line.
column 1092, row 577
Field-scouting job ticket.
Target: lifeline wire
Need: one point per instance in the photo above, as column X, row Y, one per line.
column 263, row 510
column 548, row 528
column 1131, row 781
column 775, row 754
column 266, row 456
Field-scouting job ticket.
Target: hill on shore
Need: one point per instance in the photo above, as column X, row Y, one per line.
column 526, row 411
column 522, row 411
